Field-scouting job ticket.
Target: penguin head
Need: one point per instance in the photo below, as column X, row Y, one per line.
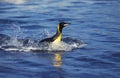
column 63, row 24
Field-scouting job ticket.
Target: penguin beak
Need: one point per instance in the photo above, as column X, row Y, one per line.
column 66, row 24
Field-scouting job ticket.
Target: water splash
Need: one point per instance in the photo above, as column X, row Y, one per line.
column 26, row 45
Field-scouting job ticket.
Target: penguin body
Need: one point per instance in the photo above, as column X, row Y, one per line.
column 58, row 36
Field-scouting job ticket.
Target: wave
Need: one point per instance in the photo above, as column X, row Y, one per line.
column 14, row 1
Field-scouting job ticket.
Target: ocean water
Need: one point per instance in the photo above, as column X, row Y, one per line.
column 95, row 23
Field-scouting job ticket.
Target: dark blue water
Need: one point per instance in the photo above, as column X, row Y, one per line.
column 96, row 23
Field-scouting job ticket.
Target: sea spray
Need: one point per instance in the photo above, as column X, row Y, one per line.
column 27, row 45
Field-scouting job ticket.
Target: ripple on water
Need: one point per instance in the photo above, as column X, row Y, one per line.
column 11, row 21
column 21, row 17
column 116, row 54
column 95, row 62
column 31, row 27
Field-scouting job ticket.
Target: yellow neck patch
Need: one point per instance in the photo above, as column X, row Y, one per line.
column 58, row 39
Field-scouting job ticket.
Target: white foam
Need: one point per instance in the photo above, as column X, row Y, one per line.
column 12, row 49
column 14, row 1
column 61, row 47
column 27, row 49
column 64, row 46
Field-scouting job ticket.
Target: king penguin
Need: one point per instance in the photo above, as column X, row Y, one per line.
column 58, row 36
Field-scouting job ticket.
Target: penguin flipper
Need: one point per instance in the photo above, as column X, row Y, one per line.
column 47, row 40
